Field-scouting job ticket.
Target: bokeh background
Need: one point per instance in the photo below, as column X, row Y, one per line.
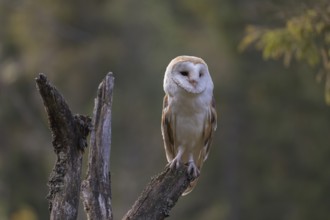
column 271, row 155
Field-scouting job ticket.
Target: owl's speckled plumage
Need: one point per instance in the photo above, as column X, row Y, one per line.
column 189, row 117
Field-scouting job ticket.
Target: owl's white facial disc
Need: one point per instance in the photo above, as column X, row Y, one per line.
column 187, row 74
column 192, row 77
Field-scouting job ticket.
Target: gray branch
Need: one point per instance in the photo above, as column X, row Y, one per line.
column 160, row 195
column 96, row 188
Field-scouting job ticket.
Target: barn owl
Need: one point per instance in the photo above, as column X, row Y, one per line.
column 189, row 118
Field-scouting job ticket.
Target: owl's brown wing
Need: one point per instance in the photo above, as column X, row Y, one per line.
column 209, row 128
column 167, row 127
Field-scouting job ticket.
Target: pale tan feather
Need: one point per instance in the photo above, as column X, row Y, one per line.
column 167, row 127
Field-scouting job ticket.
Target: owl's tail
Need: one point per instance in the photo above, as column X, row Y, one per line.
column 190, row 187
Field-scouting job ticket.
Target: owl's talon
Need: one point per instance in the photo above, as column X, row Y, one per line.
column 193, row 170
column 174, row 164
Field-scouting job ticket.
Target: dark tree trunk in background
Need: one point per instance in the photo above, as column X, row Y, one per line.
column 69, row 134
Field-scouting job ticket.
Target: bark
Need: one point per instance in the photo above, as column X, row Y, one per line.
column 69, row 135
column 96, row 188
column 160, row 195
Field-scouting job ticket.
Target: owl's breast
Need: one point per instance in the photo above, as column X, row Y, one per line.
column 189, row 128
column 190, row 113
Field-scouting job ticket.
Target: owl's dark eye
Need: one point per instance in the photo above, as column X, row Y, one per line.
column 184, row 73
column 201, row 74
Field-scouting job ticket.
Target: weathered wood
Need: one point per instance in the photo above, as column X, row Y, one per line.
column 69, row 135
column 160, row 195
column 96, row 188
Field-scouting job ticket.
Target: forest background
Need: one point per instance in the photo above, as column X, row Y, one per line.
column 270, row 155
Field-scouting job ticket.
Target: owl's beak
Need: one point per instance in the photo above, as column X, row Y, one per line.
column 193, row 82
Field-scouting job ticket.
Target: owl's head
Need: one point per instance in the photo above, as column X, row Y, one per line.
column 188, row 73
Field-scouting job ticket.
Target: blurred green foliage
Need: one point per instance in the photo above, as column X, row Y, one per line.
column 305, row 37
column 270, row 156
